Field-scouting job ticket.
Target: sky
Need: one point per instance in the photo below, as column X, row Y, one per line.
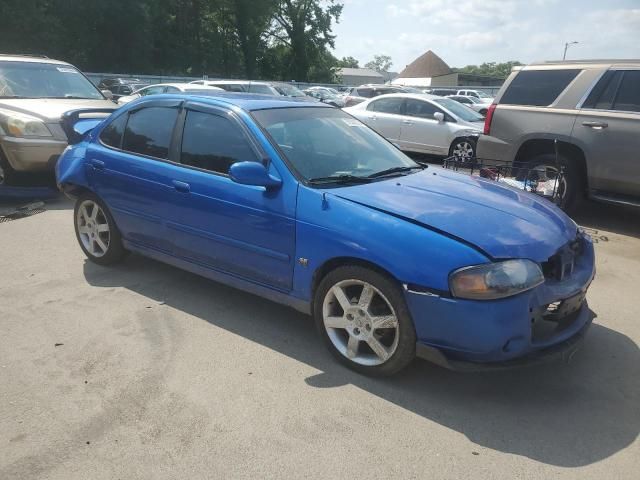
column 470, row 32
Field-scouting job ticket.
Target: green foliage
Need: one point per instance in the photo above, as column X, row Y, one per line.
column 501, row 70
column 286, row 39
column 348, row 62
column 380, row 63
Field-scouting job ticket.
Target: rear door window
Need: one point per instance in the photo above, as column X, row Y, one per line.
column 538, row 88
column 149, row 131
column 420, row 109
column 364, row 92
column 387, row 105
column 212, row 142
column 604, row 93
column 628, row 97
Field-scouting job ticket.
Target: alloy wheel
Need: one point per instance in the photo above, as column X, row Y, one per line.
column 93, row 228
column 463, row 151
column 360, row 322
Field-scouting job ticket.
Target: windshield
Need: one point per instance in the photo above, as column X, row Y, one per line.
column 326, row 142
column 459, row 110
column 288, row 90
column 44, row 80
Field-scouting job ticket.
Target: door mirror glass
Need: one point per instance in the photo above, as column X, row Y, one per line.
column 108, row 94
column 439, row 116
column 253, row 173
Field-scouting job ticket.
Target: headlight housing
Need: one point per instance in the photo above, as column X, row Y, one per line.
column 495, row 280
column 17, row 125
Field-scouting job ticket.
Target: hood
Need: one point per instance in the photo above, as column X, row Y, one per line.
column 501, row 221
column 51, row 109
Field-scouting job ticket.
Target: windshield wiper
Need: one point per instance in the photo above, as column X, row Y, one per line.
column 344, row 178
column 72, row 97
column 394, row 170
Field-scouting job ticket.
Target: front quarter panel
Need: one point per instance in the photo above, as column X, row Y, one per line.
column 330, row 227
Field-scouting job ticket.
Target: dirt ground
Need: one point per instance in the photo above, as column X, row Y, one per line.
column 143, row 371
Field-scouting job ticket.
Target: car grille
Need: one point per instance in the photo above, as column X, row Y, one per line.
column 561, row 265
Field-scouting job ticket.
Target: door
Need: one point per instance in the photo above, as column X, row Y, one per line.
column 243, row 230
column 607, row 128
column 384, row 116
column 421, row 132
column 129, row 170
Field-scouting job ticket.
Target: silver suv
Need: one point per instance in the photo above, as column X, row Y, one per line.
column 582, row 116
column 34, row 94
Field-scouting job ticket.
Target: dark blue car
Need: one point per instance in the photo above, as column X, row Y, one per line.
column 302, row 204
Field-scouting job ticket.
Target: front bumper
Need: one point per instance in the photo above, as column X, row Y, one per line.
column 541, row 324
column 32, row 155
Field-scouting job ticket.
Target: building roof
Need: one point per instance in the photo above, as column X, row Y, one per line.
column 428, row 65
column 359, row 72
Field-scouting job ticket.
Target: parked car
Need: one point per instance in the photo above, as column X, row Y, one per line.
column 166, row 88
column 442, row 92
column 250, row 86
column 363, row 92
column 35, row 92
column 327, row 90
column 423, row 123
column 326, row 96
column 471, row 102
column 590, row 108
column 304, row 205
column 479, row 94
column 120, row 87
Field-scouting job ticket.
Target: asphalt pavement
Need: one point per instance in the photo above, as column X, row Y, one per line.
column 143, row 371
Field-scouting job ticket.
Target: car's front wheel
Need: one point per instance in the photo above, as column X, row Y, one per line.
column 364, row 320
column 96, row 231
column 7, row 173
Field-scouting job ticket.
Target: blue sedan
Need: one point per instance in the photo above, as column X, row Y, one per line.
column 301, row 203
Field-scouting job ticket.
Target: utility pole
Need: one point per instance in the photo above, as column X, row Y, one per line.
column 566, row 46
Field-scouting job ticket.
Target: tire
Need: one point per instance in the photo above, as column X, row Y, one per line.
column 7, row 173
column 101, row 245
column 572, row 190
column 466, row 148
column 350, row 334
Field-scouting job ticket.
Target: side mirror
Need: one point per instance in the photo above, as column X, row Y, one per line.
column 108, row 94
column 253, row 173
column 439, row 116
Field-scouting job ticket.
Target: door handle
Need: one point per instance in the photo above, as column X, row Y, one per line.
column 596, row 125
column 181, row 186
column 372, row 117
column 97, row 164
column 407, row 122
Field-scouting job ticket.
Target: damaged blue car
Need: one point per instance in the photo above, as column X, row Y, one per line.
column 302, row 204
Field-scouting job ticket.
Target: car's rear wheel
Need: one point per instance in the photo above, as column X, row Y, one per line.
column 96, row 231
column 364, row 320
column 569, row 185
column 463, row 149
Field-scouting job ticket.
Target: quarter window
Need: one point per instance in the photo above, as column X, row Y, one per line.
column 538, row 88
column 149, row 131
column 213, row 143
column 112, row 134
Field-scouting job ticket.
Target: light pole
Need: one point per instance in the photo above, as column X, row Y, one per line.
column 566, row 46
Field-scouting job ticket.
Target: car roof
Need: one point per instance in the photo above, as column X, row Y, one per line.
column 7, row 57
column 248, row 101
column 417, row 96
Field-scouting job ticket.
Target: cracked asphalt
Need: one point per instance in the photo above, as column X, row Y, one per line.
column 143, row 371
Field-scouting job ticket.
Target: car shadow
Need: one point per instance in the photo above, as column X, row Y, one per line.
column 564, row 415
column 609, row 218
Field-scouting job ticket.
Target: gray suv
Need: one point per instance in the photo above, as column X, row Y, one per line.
column 583, row 116
column 34, row 94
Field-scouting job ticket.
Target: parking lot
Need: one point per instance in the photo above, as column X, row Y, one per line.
column 146, row 371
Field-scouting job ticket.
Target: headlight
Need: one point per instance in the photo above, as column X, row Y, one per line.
column 495, row 280
column 16, row 125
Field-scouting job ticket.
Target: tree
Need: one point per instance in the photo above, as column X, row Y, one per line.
column 348, row 62
column 305, row 26
column 380, row 63
column 252, row 20
column 493, row 69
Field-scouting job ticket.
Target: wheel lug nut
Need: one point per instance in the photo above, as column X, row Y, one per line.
column 368, row 327
column 356, row 331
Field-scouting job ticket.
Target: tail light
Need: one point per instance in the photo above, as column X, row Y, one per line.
column 489, row 118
